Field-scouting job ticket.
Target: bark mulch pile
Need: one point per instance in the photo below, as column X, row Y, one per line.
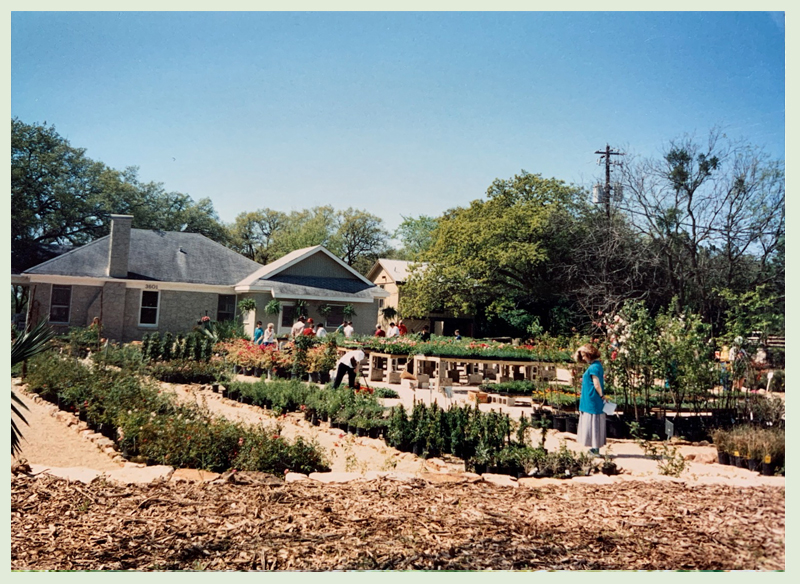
column 390, row 525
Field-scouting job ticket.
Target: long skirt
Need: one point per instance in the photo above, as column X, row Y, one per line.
column 592, row 430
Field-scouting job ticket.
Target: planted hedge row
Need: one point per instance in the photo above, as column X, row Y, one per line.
column 486, row 441
column 149, row 423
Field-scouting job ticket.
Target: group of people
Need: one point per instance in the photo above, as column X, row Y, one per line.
column 395, row 330
column 264, row 337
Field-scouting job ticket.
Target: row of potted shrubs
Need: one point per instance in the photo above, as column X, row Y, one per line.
column 487, row 441
column 759, row 449
column 150, row 424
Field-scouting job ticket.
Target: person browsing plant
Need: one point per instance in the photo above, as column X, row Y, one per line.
column 592, row 421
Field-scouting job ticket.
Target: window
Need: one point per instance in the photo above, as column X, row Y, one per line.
column 148, row 314
column 335, row 316
column 380, row 303
column 60, row 299
column 226, row 307
column 287, row 316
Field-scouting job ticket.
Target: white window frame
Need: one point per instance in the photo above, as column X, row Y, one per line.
column 69, row 306
column 158, row 308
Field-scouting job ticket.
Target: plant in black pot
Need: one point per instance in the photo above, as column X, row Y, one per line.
column 398, row 432
column 721, row 439
column 481, row 459
column 774, row 447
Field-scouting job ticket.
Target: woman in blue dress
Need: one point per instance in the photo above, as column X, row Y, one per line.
column 592, row 422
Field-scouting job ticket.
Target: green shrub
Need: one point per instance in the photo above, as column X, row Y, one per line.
column 386, row 393
column 128, row 357
column 185, row 371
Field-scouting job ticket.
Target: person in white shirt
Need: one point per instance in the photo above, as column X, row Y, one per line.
column 297, row 328
column 348, row 364
column 393, row 331
column 269, row 335
column 348, row 329
column 321, row 332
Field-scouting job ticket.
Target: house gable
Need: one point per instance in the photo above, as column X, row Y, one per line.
column 320, row 265
column 311, row 273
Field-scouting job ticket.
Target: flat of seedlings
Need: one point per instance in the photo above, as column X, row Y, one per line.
column 392, row 525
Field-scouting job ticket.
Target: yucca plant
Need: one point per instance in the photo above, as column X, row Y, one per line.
column 25, row 346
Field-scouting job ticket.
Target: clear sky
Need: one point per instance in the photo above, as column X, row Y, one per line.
column 396, row 113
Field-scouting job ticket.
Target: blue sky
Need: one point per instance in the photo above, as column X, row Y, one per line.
column 396, row 113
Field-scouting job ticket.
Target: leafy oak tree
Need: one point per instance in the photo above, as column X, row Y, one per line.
column 494, row 258
column 61, row 197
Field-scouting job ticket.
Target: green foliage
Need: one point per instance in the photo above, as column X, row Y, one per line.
column 416, row 235
column 246, row 305
column 128, row 357
column 27, row 345
column 753, row 312
column 684, row 353
column 492, row 255
column 219, row 332
column 153, row 425
column 386, row 393
column 360, row 238
column 273, row 306
column 670, row 461
column 185, row 371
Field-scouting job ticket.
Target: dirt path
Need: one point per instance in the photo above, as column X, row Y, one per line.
column 49, row 443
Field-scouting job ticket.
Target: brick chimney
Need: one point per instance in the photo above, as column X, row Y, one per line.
column 119, row 246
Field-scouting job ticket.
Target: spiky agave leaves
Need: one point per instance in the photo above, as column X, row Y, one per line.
column 25, row 346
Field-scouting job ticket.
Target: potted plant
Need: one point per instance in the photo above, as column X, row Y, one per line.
column 349, row 311
column 481, row 459
column 389, row 313
column 246, row 305
column 774, row 448
column 273, row 306
column 721, row 440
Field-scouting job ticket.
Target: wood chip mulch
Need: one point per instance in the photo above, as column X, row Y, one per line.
column 388, row 525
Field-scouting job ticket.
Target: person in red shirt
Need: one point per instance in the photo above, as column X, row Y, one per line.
column 379, row 332
column 309, row 330
column 402, row 328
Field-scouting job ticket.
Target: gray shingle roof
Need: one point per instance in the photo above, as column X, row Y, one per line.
column 284, row 285
column 162, row 256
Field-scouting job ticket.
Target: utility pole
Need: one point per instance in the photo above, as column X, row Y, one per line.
column 605, row 155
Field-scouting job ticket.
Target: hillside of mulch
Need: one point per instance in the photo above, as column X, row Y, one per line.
column 390, row 525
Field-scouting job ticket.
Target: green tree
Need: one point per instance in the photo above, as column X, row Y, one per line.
column 360, row 238
column 60, row 197
column 52, row 189
column 491, row 258
column 416, row 236
column 253, row 234
column 307, row 228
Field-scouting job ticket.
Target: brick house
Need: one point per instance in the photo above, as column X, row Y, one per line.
column 138, row 281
